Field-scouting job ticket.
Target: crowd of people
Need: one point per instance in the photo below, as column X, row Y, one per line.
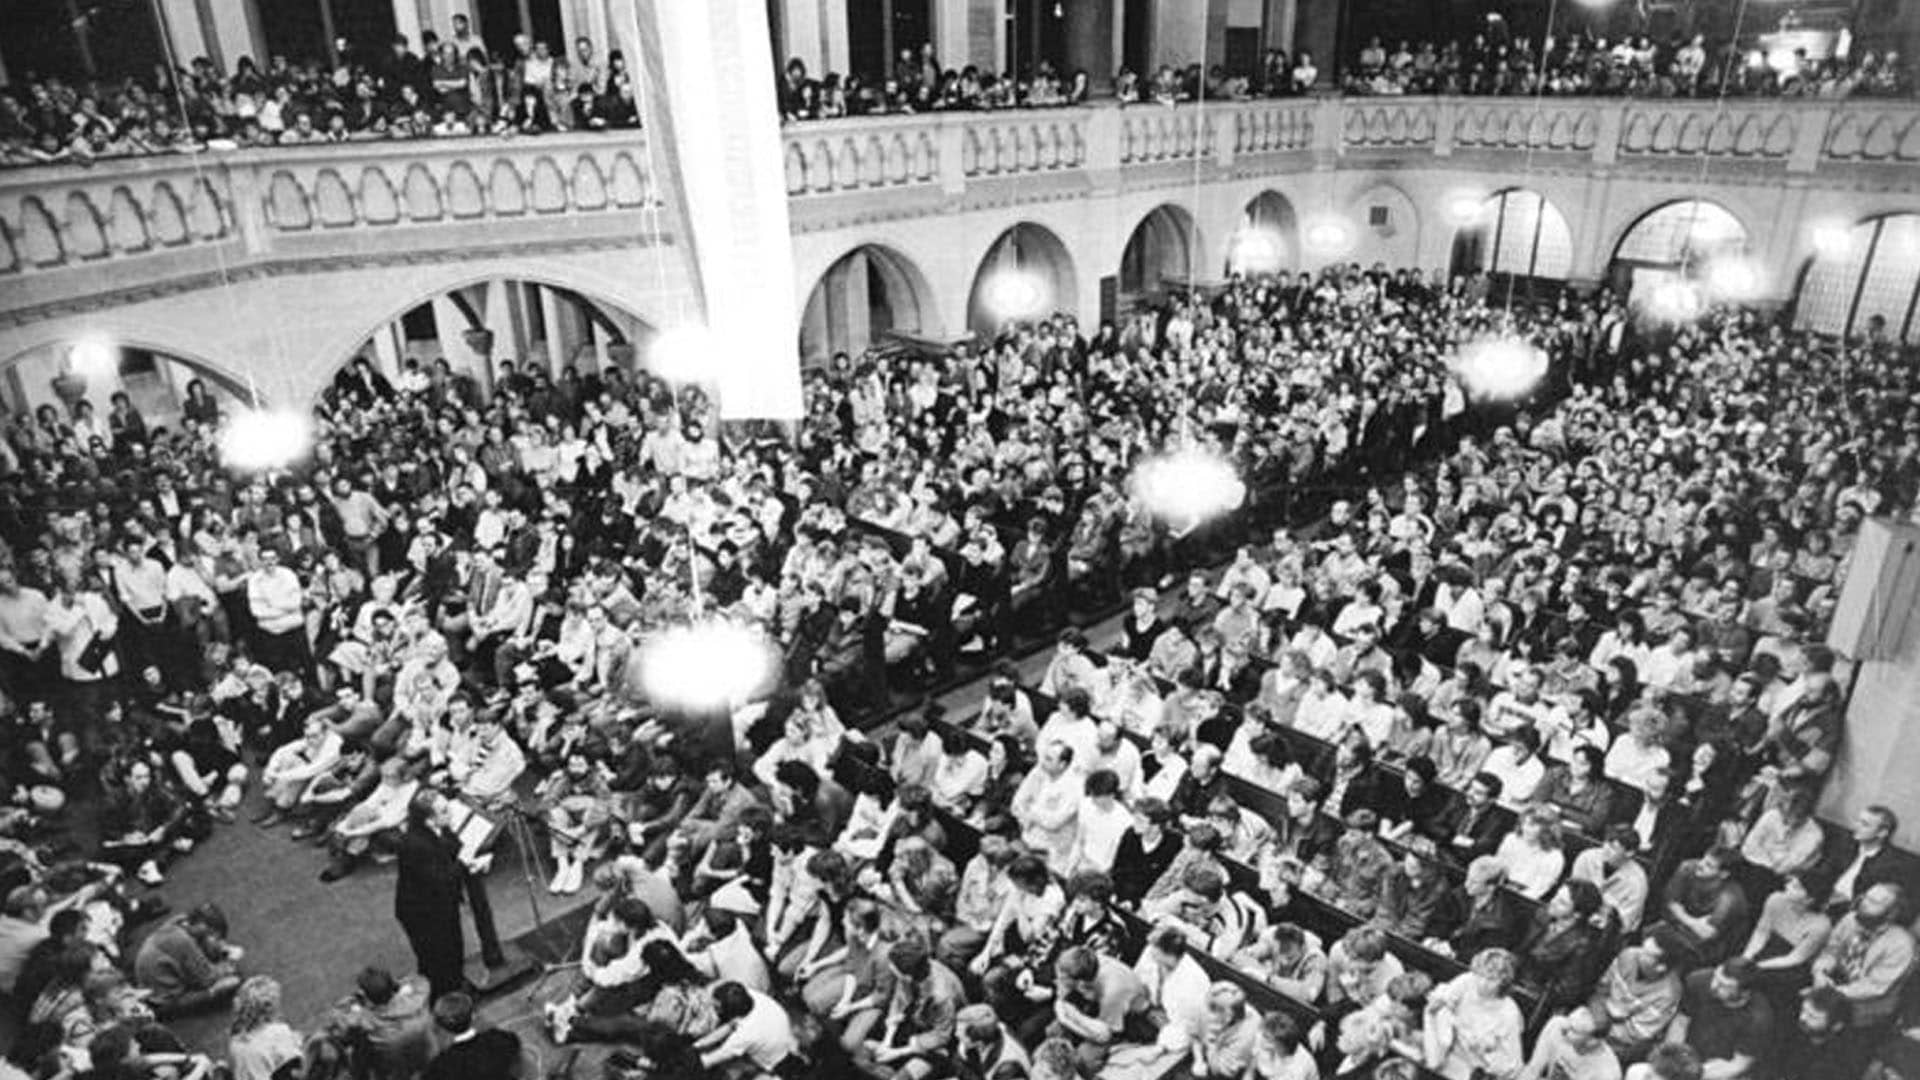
column 1633, row 65
column 454, row 86
column 1488, row 63
column 1500, row 767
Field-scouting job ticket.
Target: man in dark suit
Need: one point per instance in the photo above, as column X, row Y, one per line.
column 493, row 1054
column 426, row 895
column 1868, row 858
column 1474, row 826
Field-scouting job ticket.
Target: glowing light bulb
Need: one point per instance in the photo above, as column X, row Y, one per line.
column 1500, row 369
column 258, row 440
column 94, row 357
column 1733, row 280
column 1189, row 486
column 1832, row 240
column 1329, row 236
column 683, row 354
column 1465, row 208
column 1675, row 301
column 1256, row 251
column 1016, row 294
column 706, row 666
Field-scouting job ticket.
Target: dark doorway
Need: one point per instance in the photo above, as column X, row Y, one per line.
column 76, row 39
column 877, row 30
column 1136, row 37
column 1037, row 34
column 293, row 29
column 368, row 28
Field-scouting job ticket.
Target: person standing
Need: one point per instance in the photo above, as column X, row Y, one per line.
column 277, row 602
column 426, row 895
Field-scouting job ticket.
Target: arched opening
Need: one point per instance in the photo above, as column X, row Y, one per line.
column 64, row 374
column 1864, row 281
column 1515, row 234
column 1026, row 274
column 863, row 295
column 1268, row 238
column 1678, row 243
column 1161, row 249
column 536, row 325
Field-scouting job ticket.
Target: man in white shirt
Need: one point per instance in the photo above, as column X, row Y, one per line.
column 1517, row 763
column 381, row 814
column 293, row 766
column 81, row 627
column 278, row 605
column 1177, row 986
column 1047, row 805
column 1073, row 725
column 1522, row 706
column 140, row 584
column 754, row 1031
column 1611, row 867
column 1573, row 1047
column 1102, row 821
column 23, row 635
column 508, row 612
column 1114, row 752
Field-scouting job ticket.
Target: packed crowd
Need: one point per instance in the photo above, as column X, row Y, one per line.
column 1485, row 64
column 453, row 87
column 1634, row 65
column 1502, row 769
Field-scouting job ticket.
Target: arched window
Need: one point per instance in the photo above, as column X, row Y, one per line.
column 1866, row 279
column 1026, row 274
column 863, row 295
column 1517, row 232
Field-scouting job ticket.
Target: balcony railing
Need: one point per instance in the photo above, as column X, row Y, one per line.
column 139, row 222
column 950, row 149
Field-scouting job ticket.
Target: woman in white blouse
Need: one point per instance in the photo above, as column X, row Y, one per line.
column 1532, row 854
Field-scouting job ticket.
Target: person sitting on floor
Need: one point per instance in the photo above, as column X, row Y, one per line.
column 187, row 966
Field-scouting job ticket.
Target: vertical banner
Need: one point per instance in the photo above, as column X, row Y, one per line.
column 715, row 123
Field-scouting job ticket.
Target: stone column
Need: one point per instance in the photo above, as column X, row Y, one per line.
column 389, row 349
column 234, row 30
column 710, row 97
column 1280, row 19
column 406, row 22
column 952, row 33
column 802, row 35
column 500, row 315
column 847, row 293
column 1879, row 742
column 987, row 34
column 1179, row 33
column 551, row 315
column 180, row 27
column 450, row 327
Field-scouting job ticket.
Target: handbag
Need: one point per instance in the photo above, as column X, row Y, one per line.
column 94, row 657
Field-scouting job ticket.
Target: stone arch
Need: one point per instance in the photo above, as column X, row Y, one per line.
column 618, row 330
column 1673, row 244
column 1025, row 273
column 1164, row 245
column 864, row 293
column 154, row 374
